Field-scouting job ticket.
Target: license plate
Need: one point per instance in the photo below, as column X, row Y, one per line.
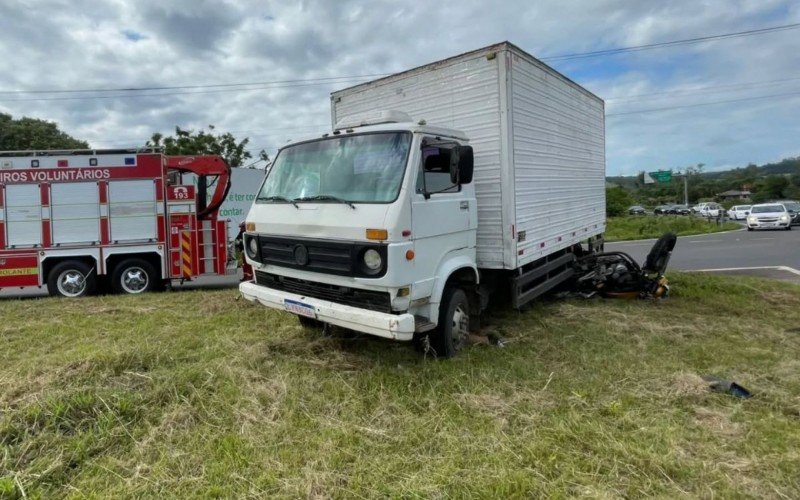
column 299, row 308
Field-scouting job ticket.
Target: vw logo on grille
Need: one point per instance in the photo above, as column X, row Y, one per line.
column 301, row 255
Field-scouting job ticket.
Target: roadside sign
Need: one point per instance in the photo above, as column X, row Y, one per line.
column 661, row 176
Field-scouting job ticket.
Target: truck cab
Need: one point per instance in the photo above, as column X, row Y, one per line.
column 371, row 228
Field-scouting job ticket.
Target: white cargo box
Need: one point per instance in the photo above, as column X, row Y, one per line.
column 538, row 137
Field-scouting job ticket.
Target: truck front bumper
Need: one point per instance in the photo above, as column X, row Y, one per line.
column 390, row 326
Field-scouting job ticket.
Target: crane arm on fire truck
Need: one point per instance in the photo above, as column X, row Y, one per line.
column 205, row 166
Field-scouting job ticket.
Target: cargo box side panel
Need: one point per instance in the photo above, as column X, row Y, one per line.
column 559, row 160
column 463, row 94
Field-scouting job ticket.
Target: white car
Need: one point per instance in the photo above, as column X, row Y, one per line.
column 739, row 212
column 710, row 210
column 769, row 216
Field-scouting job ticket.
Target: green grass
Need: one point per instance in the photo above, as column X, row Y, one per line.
column 644, row 227
column 193, row 394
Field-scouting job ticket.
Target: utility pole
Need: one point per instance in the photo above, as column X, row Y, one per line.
column 686, row 189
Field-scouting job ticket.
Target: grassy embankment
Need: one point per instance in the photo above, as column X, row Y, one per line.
column 644, row 227
column 197, row 394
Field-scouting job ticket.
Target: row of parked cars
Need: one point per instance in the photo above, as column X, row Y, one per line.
column 782, row 214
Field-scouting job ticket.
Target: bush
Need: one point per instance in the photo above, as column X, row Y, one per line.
column 617, row 201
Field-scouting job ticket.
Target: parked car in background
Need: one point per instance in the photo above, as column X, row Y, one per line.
column 711, row 210
column 769, row 216
column 662, row 209
column 739, row 212
column 697, row 208
column 793, row 207
column 679, row 210
column 636, row 210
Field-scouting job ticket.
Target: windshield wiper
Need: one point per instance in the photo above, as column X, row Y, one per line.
column 323, row 197
column 277, row 198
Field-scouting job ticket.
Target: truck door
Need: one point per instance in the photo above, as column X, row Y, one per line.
column 440, row 212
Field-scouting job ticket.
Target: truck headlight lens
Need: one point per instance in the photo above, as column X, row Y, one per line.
column 372, row 259
column 252, row 247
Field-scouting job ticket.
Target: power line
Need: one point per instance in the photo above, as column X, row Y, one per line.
column 187, row 87
column 706, row 89
column 686, row 41
column 670, row 108
column 336, row 79
column 163, row 94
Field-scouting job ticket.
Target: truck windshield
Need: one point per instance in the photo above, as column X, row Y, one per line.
column 364, row 168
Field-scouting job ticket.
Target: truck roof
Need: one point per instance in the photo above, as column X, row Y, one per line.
column 412, row 127
column 506, row 45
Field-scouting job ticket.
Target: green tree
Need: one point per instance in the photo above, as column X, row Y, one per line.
column 618, row 200
column 32, row 133
column 189, row 142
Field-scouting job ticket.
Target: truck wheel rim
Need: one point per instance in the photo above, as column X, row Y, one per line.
column 71, row 283
column 134, row 280
column 460, row 328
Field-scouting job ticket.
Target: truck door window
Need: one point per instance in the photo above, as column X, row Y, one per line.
column 434, row 175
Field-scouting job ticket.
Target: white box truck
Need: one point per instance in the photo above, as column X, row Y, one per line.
column 438, row 187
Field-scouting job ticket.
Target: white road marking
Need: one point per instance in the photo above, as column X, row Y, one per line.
column 722, row 269
column 703, row 241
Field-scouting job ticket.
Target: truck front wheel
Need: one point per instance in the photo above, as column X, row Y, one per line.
column 71, row 278
column 133, row 276
column 452, row 333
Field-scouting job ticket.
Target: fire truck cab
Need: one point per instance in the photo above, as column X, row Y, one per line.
column 79, row 221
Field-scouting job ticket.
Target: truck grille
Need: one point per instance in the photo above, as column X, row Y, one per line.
column 341, row 258
column 365, row 299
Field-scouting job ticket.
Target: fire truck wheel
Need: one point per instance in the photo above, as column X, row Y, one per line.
column 133, row 276
column 452, row 333
column 71, row 278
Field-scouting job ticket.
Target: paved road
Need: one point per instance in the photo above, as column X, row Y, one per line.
column 774, row 254
column 203, row 282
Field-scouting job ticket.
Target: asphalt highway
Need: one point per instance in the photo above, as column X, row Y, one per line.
column 767, row 253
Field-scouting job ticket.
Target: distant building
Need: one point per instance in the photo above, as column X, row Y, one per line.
column 734, row 194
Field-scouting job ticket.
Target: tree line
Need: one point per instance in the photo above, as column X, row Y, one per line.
column 771, row 181
column 26, row 134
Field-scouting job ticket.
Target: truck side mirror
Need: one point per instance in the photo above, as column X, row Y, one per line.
column 461, row 165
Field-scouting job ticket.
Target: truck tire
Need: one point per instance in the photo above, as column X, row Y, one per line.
column 71, row 278
column 133, row 276
column 452, row 333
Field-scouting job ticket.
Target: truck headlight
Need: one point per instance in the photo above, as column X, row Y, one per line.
column 252, row 247
column 373, row 260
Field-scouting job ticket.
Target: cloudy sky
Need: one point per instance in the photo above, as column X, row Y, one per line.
column 724, row 103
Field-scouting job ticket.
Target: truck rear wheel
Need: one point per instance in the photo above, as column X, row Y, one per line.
column 452, row 333
column 133, row 276
column 71, row 278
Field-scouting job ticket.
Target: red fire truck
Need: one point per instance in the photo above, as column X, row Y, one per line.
column 80, row 220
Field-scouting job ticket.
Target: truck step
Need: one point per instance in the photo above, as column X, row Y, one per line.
column 422, row 324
